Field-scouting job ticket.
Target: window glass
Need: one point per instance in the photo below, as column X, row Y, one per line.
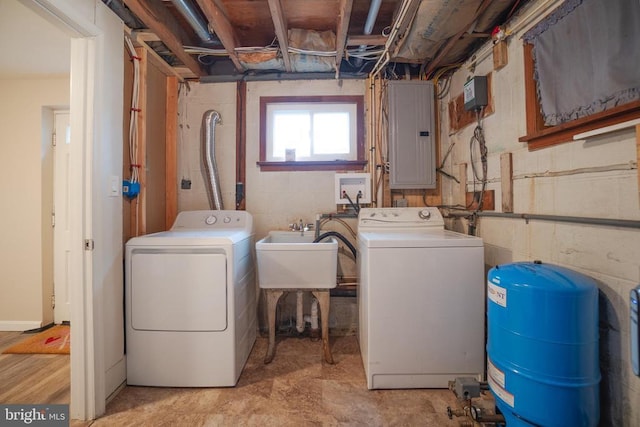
column 331, row 133
column 311, row 133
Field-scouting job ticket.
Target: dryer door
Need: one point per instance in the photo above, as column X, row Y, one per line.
column 178, row 291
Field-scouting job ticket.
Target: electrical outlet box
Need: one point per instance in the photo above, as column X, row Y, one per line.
column 130, row 189
column 475, row 93
column 351, row 184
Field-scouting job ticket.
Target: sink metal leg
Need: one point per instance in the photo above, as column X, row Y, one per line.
column 324, row 299
column 272, row 302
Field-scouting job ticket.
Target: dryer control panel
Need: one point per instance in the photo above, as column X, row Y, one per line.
column 377, row 219
column 212, row 219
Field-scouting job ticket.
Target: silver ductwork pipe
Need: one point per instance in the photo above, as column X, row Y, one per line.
column 195, row 19
column 209, row 121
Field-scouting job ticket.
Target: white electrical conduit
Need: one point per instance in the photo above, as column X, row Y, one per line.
column 385, row 57
column 209, row 121
column 133, row 114
column 134, row 175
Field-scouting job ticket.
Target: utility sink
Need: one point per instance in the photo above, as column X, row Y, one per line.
column 290, row 260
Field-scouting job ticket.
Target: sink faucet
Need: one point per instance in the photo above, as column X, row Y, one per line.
column 300, row 226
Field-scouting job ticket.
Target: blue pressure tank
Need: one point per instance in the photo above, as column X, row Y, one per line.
column 542, row 345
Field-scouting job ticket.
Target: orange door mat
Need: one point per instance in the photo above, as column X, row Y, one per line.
column 55, row 340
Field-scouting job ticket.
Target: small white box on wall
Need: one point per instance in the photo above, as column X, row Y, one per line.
column 352, row 184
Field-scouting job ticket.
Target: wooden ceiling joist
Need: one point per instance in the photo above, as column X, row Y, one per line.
column 344, row 16
column 215, row 14
column 156, row 16
column 368, row 40
column 282, row 31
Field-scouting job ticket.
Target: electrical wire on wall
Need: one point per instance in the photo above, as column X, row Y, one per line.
column 379, row 150
column 477, row 139
column 131, row 187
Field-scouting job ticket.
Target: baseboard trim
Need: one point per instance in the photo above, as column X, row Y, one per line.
column 115, row 376
column 19, row 325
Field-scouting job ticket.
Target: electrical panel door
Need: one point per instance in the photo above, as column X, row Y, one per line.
column 411, row 135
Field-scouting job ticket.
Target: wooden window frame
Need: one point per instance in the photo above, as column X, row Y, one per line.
column 540, row 136
column 335, row 165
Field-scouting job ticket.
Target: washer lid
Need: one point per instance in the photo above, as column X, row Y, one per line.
column 418, row 239
column 399, row 219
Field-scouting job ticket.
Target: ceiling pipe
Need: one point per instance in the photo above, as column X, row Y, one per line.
column 374, row 8
column 195, row 19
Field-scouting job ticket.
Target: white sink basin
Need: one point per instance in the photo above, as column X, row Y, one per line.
column 288, row 260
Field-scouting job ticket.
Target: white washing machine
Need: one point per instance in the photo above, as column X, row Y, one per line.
column 190, row 301
column 420, row 299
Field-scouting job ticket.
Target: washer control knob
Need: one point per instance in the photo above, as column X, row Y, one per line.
column 424, row 214
column 210, row 220
column 227, row 220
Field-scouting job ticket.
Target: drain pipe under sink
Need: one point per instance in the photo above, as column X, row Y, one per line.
column 301, row 319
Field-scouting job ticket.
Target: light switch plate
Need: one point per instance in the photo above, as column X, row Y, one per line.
column 114, row 186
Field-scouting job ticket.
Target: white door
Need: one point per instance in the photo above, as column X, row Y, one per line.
column 62, row 225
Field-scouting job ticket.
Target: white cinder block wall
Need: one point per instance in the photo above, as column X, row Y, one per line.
column 194, row 101
column 610, row 255
column 275, row 199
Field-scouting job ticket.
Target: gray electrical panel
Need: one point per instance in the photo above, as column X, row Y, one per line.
column 412, row 162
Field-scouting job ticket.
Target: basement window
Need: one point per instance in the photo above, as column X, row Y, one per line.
column 311, row 133
column 581, row 70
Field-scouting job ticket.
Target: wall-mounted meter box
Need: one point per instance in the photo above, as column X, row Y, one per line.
column 475, row 93
column 352, row 184
column 635, row 332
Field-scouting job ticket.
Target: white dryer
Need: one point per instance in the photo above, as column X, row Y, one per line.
column 190, row 301
column 420, row 299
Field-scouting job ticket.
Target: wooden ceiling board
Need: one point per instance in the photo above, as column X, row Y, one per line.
column 319, row 15
column 251, row 20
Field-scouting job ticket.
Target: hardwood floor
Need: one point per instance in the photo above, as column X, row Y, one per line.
column 32, row 378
